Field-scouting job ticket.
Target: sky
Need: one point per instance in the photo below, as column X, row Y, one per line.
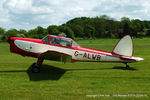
column 28, row 14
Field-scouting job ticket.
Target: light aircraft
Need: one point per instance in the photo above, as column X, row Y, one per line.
column 64, row 49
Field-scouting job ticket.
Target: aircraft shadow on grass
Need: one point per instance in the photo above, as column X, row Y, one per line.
column 49, row 72
column 115, row 67
column 124, row 68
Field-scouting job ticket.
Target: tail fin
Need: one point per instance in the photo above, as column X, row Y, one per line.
column 124, row 46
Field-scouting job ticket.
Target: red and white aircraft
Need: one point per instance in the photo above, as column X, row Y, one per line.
column 67, row 50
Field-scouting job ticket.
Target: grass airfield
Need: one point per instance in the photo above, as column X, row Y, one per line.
column 76, row 81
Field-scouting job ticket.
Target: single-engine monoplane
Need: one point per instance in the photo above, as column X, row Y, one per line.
column 64, row 49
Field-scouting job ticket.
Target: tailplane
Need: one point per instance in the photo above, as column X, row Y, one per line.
column 124, row 46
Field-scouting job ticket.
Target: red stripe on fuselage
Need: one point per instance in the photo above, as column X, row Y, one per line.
column 93, row 51
column 28, row 39
column 78, row 48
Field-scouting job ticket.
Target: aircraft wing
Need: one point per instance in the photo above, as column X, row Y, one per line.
column 56, row 56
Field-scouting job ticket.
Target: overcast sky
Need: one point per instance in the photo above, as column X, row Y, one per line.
column 28, row 14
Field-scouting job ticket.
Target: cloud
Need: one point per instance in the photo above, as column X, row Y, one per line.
column 125, row 8
column 28, row 14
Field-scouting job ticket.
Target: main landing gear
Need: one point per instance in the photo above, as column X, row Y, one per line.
column 36, row 66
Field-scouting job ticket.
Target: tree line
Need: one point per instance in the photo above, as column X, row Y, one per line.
column 85, row 27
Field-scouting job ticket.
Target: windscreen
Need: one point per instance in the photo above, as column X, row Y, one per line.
column 74, row 43
column 45, row 39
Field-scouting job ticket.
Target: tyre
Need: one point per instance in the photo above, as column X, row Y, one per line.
column 35, row 68
column 127, row 67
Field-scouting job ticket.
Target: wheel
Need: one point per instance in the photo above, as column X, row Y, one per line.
column 35, row 68
column 34, row 64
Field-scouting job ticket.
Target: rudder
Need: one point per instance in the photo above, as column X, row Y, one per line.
column 124, row 46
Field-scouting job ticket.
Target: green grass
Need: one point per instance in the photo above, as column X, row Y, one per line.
column 73, row 81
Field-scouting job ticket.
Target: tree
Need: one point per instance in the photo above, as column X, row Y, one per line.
column 99, row 25
column 148, row 32
column 12, row 32
column 67, row 30
column 136, row 27
column 89, row 31
column 53, row 30
column 125, row 25
column 2, row 31
column 105, row 17
column 2, row 34
column 126, row 29
column 22, row 31
column 32, row 31
column 125, row 19
column 40, row 30
column 78, row 30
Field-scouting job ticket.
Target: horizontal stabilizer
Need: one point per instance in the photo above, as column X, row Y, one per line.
column 136, row 59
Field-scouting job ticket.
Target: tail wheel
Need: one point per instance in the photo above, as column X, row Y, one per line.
column 35, row 68
column 127, row 66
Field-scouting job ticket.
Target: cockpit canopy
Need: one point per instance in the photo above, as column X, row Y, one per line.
column 57, row 40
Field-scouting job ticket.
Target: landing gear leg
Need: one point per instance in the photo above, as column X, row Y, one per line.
column 36, row 66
